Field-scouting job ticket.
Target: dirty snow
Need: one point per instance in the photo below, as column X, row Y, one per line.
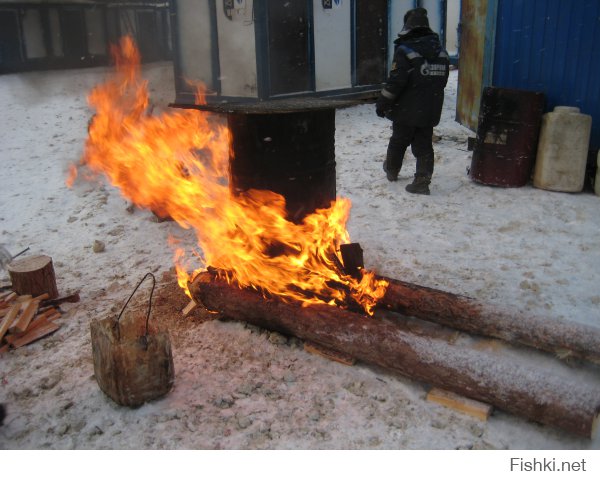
column 238, row 387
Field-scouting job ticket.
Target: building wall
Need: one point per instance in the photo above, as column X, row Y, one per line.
column 71, row 33
column 551, row 46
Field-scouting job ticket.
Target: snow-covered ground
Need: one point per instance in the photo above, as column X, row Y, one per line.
column 236, row 387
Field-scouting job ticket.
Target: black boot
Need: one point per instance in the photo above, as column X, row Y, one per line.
column 390, row 173
column 419, row 185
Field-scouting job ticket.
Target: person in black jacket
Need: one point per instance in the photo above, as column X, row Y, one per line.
column 412, row 98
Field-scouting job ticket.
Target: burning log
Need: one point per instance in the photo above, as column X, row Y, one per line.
column 466, row 314
column 426, row 355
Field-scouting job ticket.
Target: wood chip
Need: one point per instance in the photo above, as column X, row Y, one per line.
column 471, row 407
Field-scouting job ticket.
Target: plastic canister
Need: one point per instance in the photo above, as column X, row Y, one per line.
column 597, row 182
column 562, row 150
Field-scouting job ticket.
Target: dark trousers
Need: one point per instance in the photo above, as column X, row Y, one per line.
column 420, row 141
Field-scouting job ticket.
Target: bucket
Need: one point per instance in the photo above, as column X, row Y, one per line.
column 507, row 135
column 292, row 154
column 133, row 362
column 563, row 150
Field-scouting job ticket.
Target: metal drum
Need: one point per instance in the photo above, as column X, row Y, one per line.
column 292, row 154
column 507, row 136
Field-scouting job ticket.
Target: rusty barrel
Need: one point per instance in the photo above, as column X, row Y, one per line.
column 507, row 136
column 291, row 153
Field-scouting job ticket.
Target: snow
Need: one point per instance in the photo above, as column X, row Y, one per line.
column 525, row 250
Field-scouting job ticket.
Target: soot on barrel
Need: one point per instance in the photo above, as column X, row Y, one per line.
column 292, row 154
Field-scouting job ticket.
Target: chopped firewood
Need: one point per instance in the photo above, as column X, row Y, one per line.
column 8, row 319
column 189, row 308
column 33, row 335
column 10, row 297
column 5, row 294
column 22, row 321
column 73, row 298
column 47, row 316
column 39, row 298
column 23, row 298
column 4, row 348
column 329, row 353
column 471, row 407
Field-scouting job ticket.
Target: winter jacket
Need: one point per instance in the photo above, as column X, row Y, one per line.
column 414, row 91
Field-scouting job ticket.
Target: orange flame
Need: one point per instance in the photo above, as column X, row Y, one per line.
column 177, row 165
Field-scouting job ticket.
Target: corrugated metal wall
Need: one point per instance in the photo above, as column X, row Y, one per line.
column 551, row 46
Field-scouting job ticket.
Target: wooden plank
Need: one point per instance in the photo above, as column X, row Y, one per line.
column 23, row 321
column 471, row 407
column 33, row 335
column 8, row 319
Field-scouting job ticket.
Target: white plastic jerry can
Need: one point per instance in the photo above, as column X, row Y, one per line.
column 562, row 150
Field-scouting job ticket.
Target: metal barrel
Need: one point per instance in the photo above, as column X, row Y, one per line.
column 507, row 136
column 292, row 154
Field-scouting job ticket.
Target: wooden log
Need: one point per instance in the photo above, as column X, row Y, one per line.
column 464, row 313
column 33, row 275
column 535, row 392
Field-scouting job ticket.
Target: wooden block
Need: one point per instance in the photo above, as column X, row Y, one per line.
column 189, row 308
column 471, row 407
column 329, row 353
column 22, row 322
column 8, row 319
column 33, row 335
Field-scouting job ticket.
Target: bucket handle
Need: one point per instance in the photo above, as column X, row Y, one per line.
column 149, row 274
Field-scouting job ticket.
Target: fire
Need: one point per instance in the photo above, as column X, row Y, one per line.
column 177, row 165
